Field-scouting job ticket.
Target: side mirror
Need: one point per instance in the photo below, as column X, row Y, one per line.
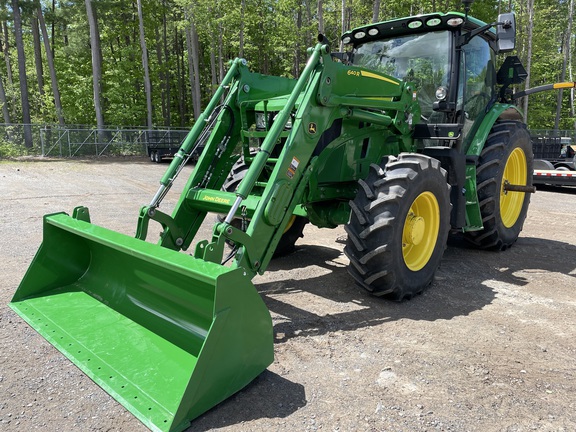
column 506, row 32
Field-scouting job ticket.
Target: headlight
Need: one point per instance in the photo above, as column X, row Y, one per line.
column 260, row 121
column 288, row 123
column 441, row 93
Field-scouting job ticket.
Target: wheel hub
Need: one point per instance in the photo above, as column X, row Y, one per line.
column 415, row 229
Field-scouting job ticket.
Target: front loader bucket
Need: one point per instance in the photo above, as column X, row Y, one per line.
column 167, row 335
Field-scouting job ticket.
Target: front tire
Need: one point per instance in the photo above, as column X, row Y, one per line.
column 294, row 229
column 399, row 225
column 506, row 158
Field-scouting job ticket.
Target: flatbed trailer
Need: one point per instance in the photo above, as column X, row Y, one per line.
column 555, row 177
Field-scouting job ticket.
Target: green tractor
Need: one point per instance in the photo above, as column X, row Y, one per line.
column 408, row 135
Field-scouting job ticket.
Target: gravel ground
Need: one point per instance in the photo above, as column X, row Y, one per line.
column 490, row 346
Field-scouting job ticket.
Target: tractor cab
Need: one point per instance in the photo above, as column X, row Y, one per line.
column 450, row 60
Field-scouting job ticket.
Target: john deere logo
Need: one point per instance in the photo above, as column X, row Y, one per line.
column 312, row 128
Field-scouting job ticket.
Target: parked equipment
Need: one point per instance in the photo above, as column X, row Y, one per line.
column 164, row 144
column 408, row 134
column 553, row 152
column 554, row 177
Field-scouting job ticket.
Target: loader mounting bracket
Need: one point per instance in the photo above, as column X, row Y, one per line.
column 169, row 227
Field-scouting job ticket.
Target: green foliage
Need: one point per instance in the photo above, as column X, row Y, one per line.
column 271, row 34
column 12, row 141
column 10, row 150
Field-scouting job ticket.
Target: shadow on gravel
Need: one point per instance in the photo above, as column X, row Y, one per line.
column 528, row 253
column 461, row 287
column 268, row 396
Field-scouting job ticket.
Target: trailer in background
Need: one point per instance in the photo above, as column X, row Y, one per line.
column 554, row 157
column 556, row 147
column 555, row 177
column 163, row 144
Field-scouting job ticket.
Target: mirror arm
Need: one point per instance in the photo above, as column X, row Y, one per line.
column 464, row 39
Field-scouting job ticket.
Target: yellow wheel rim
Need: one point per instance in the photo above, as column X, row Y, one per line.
column 516, row 173
column 420, row 231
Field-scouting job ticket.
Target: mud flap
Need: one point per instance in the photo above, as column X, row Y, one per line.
column 167, row 335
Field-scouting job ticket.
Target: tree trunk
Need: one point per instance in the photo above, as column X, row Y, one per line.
column 10, row 83
column 296, row 71
column 37, row 55
column 320, row 17
column 168, row 117
column 3, row 99
column 241, row 35
column 193, row 67
column 376, row 11
column 147, row 86
column 343, row 23
column 566, row 47
column 220, row 53
column 161, row 71
column 96, row 63
column 4, row 102
column 530, row 6
column 22, row 75
column 180, row 76
column 51, row 68
column 309, row 40
column 7, row 55
column 560, row 95
column 213, row 68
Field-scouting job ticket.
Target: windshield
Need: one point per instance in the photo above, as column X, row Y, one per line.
column 422, row 59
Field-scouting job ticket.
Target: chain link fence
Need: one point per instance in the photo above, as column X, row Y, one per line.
column 84, row 141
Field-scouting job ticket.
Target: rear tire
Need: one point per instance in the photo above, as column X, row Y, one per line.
column 399, row 226
column 294, row 229
column 506, row 157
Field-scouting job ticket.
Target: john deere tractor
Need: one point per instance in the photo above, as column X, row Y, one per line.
column 409, row 134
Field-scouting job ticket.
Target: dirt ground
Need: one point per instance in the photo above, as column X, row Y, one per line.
column 490, row 346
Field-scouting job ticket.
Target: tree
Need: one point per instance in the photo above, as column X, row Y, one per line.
column 566, row 50
column 530, row 10
column 193, row 65
column 27, row 127
column 98, row 50
column 4, row 102
column 37, row 54
column 376, row 11
column 147, row 87
column 51, row 68
column 96, row 62
column 320, row 16
column 7, row 55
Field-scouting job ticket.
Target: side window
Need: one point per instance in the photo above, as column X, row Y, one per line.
column 480, row 76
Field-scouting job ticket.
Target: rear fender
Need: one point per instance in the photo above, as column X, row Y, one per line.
column 477, row 139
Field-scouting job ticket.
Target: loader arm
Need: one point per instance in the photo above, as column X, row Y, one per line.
column 327, row 91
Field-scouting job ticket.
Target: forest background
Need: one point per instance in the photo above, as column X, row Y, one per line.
column 156, row 63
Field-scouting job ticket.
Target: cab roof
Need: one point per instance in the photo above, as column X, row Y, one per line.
column 414, row 25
